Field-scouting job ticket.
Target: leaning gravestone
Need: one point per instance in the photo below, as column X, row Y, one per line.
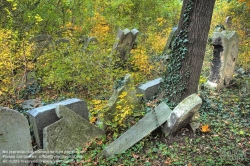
column 182, row 114
column 126, row 87
column 15, row 139
column 44, row 116
column 124, row 43
column 226, row 45
column 70, row 132
column 170, row 40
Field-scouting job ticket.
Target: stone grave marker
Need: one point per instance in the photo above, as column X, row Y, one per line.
column 182, row 114
column 44, row 116
column 170, row 40
column 149, row 89
column 226, row 45
column 70, row 132
column 124, row 43
column 14, row 136
column 131, row 99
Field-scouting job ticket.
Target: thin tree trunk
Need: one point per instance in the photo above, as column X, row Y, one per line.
column 187, row 53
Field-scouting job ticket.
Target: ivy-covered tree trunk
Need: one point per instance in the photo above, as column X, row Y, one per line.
column 188, row 50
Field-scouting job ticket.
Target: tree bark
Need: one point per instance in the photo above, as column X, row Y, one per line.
column 187, row 53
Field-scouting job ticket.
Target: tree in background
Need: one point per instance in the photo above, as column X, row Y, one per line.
column 188, row 50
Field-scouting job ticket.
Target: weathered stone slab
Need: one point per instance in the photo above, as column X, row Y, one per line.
column 149, row 89
column 44, row 116
column 224, row 59
column 182, row 114
column 150, row 122
column 14, row 136
column 130, row 99
column 70, row 132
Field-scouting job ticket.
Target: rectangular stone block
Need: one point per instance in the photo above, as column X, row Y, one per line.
column 44, row 116
column 149, row 89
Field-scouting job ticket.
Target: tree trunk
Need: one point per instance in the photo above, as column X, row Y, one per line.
column 188, row 50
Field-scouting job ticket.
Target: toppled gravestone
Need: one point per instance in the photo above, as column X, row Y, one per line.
column 182, row 114
column 15, row 139
column 70, row 132
column 224, row 59
column 149, row 89
column 124, row 43
column 175, row 120
column 44, row 116
column 127, row 89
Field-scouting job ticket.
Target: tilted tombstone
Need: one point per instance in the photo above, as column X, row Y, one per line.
column 170, row 40
column 226, row 45
column 14, row 137
column 124, row 43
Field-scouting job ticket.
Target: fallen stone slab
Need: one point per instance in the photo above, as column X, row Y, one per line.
column 182, row 114
column 70, row 132
column 150, row 122
column 149, row 89
column 44, row 116
column 14, row 137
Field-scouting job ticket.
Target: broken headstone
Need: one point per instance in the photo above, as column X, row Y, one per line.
column 44, row 116
column 14, row 137
column 70, row 132
column 224, row 59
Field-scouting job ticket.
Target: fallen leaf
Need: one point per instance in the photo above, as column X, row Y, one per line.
column 205, row 129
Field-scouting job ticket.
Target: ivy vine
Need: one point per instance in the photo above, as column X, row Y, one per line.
column 173, row 83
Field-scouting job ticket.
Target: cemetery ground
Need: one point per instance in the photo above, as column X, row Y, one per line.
column 223, row 137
